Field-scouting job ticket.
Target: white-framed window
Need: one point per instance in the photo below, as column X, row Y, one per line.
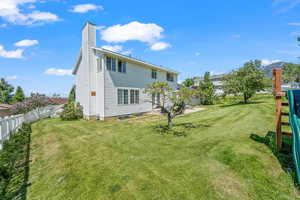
column 126, row 96
column 110, row 63
column 153, row 74
column 134, row 96
column 170, row 77
column 122, row 96
column 121, row 66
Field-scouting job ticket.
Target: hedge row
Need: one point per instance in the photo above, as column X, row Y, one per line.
column 14, row 165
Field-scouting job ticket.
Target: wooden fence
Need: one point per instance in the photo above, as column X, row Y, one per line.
column 9, row 124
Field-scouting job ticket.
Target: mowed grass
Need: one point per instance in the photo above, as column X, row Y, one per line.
column 218, row 153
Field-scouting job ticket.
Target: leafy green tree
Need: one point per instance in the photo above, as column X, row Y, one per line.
column 72, row 94
column 188, row 82
column 291, row 73
column 19, row 95
column 206, row 90
column 177, row 99
column 161, row 88
column 6, row 91
column 247, row 80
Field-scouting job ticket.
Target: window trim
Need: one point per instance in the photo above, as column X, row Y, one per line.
column 153, row 73
column 131, row 97
column 170, row 77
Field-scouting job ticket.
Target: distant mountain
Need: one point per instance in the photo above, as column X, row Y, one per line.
column 269, row 68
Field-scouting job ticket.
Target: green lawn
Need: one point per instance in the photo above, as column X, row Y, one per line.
column 220, row 153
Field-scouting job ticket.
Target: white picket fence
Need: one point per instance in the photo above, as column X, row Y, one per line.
column 9, row 124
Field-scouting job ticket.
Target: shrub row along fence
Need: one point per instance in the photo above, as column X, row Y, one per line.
column 9, row 124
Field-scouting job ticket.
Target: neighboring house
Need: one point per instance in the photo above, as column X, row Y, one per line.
column 5, row 110
column 110, row 84
column 216, row 80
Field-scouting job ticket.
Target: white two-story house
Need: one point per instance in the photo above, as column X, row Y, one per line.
column 110, row 84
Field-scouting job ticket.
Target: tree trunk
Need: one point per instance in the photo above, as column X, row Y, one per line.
column 170, row 124
column 245, row 98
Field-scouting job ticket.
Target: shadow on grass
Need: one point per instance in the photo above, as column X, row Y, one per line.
column 242, row 103
column 284, row 155
column 178, row 129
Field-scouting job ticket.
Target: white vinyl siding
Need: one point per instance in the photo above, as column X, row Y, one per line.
column 137, row 77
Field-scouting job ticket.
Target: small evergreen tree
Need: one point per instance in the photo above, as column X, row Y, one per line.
column 6, row 91
column 72, row 94
column 19, row 95
column 206, row 90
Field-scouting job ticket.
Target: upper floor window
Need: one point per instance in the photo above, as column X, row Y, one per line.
column 121, row 66
column 153, row 73
column 170, row 77
column 110, row 63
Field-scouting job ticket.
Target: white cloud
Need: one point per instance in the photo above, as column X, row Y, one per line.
column 59, row 72
column 132, row 31
column 265, row 62
column 158, row 46
column 127, row 52
column 83, row 8
column 43, row 17
column 197, row 54
column 284, row 6
column 13, row 77
column 294, row 23
column 18, row 53
column 115, row 48
column 26, row 43
column 10, row 11
column 295, row 33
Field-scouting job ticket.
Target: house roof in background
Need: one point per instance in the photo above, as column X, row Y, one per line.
column 211, row 77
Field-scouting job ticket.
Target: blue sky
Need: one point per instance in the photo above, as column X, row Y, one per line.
column 40, row 39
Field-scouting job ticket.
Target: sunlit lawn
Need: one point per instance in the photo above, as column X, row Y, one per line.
column 218, row 153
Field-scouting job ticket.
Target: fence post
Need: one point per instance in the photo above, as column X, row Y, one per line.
column 277, row 73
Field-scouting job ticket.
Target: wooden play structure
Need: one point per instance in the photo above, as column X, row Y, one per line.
column 279, row 94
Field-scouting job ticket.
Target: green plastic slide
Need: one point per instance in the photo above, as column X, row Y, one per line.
column 294, row 104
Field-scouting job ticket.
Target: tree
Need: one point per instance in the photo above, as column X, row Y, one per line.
column 159, row 88
column 72, row 94
column 71, row 111
column 35, row 101
column 291, row 73
column 188, row 82
column 247, row 80
column 176, row 99
column 206, row 90
column 5, row 91
column 19, row 95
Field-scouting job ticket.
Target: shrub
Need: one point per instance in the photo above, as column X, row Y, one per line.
column 71, row 111
column 14, row 158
